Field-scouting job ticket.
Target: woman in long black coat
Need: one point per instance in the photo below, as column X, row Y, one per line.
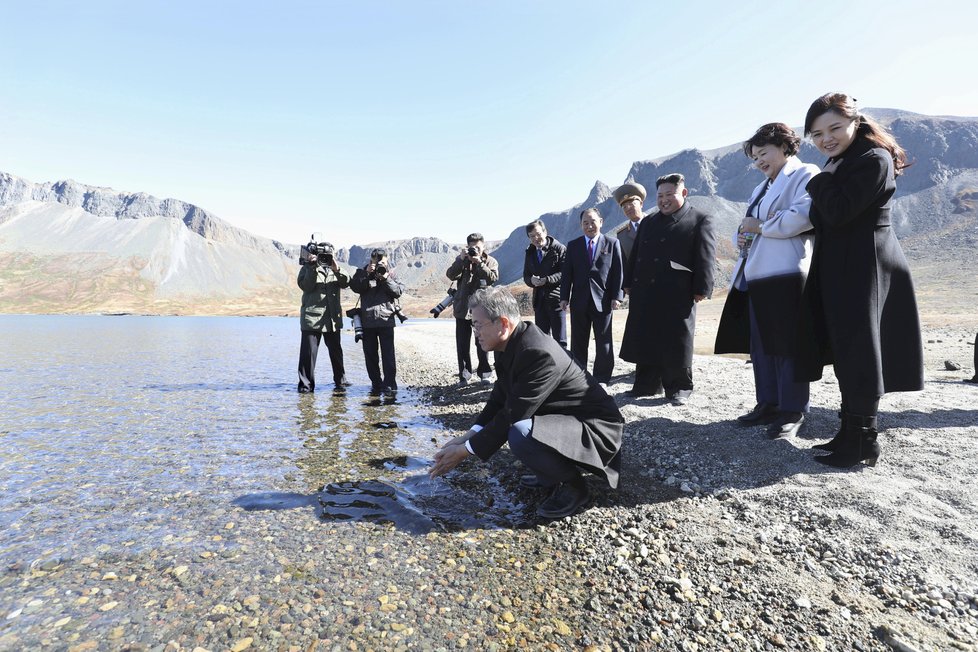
column 860, row 309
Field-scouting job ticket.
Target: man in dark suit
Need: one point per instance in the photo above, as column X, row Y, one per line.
column 591, row 285
column 541, row 271
column 557, row 419
column 669, row 272
column 630, row 197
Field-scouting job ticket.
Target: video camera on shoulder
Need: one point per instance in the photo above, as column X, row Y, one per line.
column 318, row 251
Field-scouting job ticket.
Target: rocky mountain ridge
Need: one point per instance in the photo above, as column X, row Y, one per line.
column 934, row 201
column 136, row 253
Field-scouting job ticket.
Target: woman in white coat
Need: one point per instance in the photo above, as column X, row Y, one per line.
column 775, row 241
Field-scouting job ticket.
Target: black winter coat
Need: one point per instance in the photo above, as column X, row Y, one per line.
column 859, row 309
column 672, row 260
column 535, row 378
column 547, row 296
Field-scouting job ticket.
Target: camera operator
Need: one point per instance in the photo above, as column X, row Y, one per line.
column 320, row 279
column 378, row 291
column 474, row 269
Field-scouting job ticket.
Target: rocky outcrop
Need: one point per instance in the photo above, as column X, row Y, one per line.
column 944, row 151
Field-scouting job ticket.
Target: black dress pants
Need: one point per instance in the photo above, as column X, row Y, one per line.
column 308, row 350
column 463, row 343
column 377, row 343
column 583, row 321
column 552, row 321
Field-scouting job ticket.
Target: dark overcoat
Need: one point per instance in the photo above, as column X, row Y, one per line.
column 536, row 378
column 547, row 296
column 672, row 260
column 859, row 309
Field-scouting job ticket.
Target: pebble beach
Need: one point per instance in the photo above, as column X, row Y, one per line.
column 717, row 538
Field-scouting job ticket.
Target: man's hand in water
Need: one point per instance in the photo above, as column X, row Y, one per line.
column 451, row 455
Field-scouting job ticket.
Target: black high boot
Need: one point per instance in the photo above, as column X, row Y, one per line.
column 858, row 445
column 833, row 445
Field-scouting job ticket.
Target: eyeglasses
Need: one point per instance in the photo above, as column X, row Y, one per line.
column 479, row 325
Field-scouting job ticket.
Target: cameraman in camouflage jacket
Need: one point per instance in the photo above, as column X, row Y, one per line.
column 321, row 280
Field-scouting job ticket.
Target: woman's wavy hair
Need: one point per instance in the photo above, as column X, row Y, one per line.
column 845, row 106
column 774, row 133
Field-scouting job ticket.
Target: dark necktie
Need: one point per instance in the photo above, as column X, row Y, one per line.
column 590, row 251
column 539, row 255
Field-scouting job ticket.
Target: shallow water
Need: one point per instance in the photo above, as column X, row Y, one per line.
column 116, row 429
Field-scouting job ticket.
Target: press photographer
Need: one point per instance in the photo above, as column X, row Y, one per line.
column 321, row 316
column 474, row 269
column 379, row 293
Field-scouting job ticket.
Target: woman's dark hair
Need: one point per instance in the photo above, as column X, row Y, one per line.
column 878, row 135
column 774, row 133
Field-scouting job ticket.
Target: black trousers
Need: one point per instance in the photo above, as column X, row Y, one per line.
column 379, row 342
column 463, row 344
column 553, row 322
column 582, row 323
column 550, row 466
column 308, row 350
column 671, row 379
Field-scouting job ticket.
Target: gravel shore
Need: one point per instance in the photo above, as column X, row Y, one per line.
column 717, row 539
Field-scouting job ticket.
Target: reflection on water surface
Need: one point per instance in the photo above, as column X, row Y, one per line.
column 135, row 430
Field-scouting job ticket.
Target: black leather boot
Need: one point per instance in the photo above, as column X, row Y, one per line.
column 858, row 445
column 836, row 441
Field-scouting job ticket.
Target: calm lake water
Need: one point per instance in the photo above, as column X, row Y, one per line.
column 108, row 424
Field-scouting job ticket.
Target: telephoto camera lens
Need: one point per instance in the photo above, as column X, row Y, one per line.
column 473, row 251
column 381, row 268
column 444, row 303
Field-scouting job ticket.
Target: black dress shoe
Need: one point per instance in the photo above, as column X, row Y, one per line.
column 787, row 424
column 531, row 481
column 638, row 391
column 762, row 414
column 972, row 380
column 567, row 499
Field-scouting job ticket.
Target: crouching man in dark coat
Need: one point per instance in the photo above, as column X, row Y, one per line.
column 556, row 418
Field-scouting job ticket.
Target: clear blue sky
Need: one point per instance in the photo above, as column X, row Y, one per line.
column 371, row 120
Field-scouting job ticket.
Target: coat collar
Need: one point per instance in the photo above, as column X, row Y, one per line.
column 678, row 215
column 792, row 165
column 513, row 342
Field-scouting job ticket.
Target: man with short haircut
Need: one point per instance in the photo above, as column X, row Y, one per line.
column 669, row 272
column 474, row 269
column 541, row 271
column 630, row 197
column 557, row 419
column 591, row 285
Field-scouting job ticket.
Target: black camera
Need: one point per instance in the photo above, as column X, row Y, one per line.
column 444, row 303
column 354, row 315
column 380, row 269
column 473, row 251
column 322, row 250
